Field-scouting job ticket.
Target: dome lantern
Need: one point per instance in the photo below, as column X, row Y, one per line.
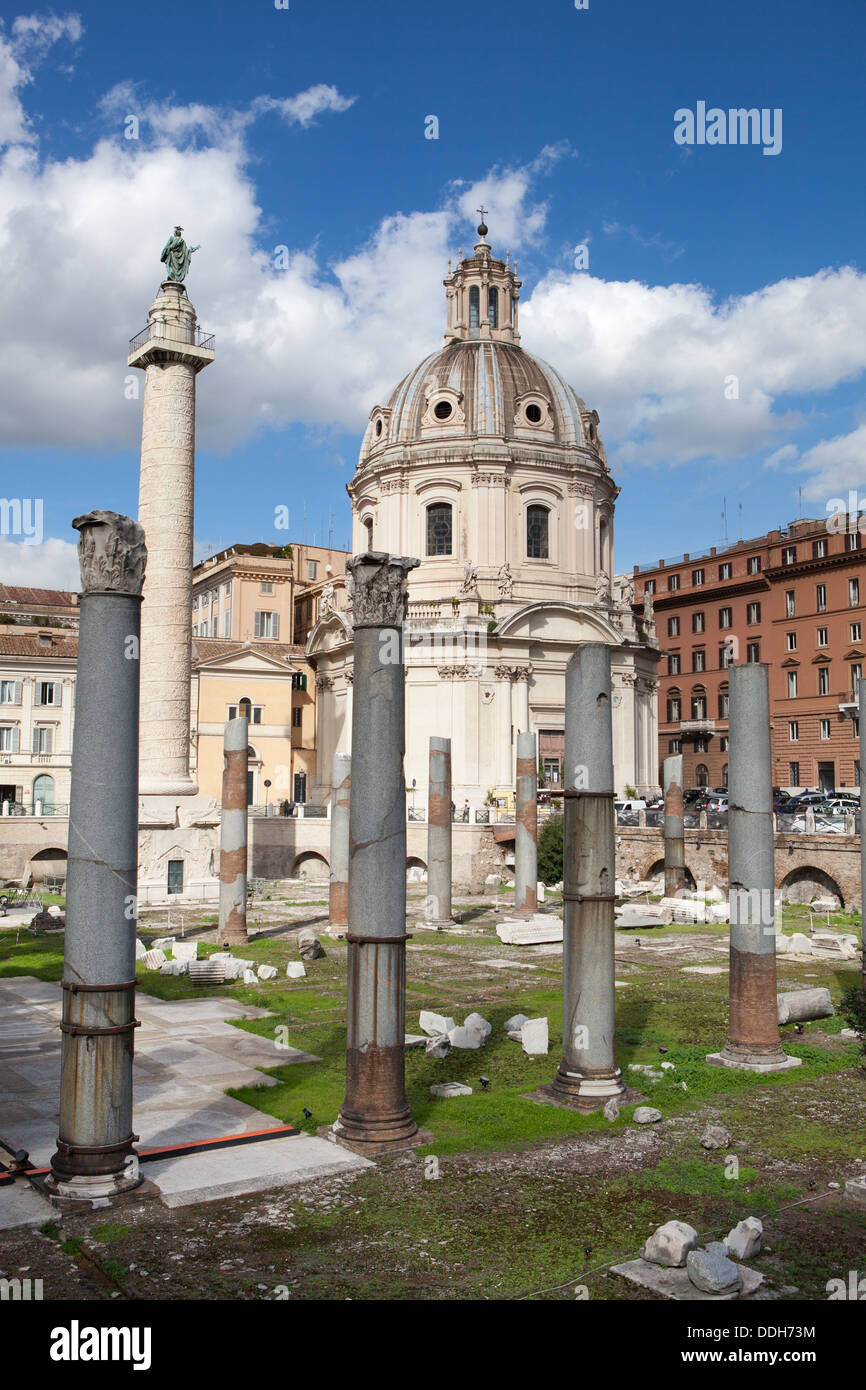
column 482, row 295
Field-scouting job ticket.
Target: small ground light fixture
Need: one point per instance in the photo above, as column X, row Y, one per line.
column 485, row 1082
column 308, row 1114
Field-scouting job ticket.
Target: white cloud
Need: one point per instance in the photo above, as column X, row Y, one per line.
column 321, row 343
column 836, row 465
column 51, row 565
column 32, row 36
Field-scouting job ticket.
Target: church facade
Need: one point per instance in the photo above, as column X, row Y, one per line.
column 488, row 467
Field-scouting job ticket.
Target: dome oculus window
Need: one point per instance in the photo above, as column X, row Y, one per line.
column 533, row 413
column 537, row 533
column 439, row 529
column 378, row 428
column 443, row 410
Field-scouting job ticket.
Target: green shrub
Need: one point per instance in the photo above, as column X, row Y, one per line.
column 550, row 851
column 852, row 1007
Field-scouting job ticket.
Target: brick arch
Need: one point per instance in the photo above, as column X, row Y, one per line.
column 805, row 881
column 311, row 865
column 657, row 866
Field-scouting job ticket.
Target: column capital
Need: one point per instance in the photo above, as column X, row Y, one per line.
column 111, row 553
column 379, row 588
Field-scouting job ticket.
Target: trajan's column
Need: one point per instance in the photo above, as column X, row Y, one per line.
column 171, row 350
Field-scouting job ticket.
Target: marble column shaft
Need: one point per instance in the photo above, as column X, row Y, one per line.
column 439, row 833
column 526, row 824
column 674, row 826
column 338, row 895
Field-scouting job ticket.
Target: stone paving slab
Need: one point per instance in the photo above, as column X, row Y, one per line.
column 219, row 1173
column 676, row 1284
column 22, row 1205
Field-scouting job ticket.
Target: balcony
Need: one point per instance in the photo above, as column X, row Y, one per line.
column 697, row 726
column 158, row 339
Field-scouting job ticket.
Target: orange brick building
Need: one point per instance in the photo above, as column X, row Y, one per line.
column 794, row 598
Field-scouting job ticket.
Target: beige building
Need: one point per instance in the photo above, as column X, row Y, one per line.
column 37, row 696
column 264, row 593
column 277, row 681
column 23, row 607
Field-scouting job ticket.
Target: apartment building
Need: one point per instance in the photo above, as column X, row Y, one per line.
column 37, row 697
column 270, row 593
column 794, row 598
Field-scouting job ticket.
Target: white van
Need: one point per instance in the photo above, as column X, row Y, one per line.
column 629, row 806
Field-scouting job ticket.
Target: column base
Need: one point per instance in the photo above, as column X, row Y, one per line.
column 434, row 923
column 85, row 1190
column 754, row 1061
column 585, row 1093
column 370, row 1143
column 167, row 786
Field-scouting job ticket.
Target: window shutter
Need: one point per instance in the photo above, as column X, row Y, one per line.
column 35, row 740
column 276, row 631
column 18, row 692
column 16, row 740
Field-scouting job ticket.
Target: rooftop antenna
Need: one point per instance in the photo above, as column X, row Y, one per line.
column 724, row 521
column 740, row 522
column 800, row 494
column 305, row 523
column 330, row 529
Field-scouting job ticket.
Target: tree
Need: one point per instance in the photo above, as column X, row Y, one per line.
column 550, row 851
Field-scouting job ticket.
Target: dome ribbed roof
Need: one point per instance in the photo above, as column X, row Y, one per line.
column 491, row 378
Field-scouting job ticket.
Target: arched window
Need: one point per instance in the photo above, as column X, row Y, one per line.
column 368, row 525
column 537, row 533
column 699, row 702
column 675, row 706
column 439, row 529
column 43, row 792
column 474, row 306
column 725, row 775
column 245, row 708
column 702, row 776
column 493, row 308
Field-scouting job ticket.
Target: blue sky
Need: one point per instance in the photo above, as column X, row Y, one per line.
column 304, row 128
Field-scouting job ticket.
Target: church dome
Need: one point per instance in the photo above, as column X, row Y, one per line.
column 482, row 385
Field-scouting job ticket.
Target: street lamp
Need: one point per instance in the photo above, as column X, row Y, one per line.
column 267, row 785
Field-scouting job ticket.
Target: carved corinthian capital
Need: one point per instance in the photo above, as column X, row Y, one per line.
column 111, row 553
column 379, row 587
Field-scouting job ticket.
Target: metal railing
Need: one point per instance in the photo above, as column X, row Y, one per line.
column 172, row 333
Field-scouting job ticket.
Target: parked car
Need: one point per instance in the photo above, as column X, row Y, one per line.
column 693, row 794
column 804, row 799
column 629, row 805
column 716, row 803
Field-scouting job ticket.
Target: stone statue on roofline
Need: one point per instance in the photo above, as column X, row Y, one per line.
column 176, row 256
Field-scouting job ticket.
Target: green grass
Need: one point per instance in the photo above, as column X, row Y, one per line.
column 109, row 1231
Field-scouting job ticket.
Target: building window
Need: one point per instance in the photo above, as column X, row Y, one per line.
column 753, row 564
column 493, row 308
column 675, row 707
column 296, row 717
column 724, row 702
column 824, row 729
column 792, row 685
column 474, row 306
column 439, row 529
column 10, row 692
column 697, row 577
column 10, row 739
column 699, row 622
column 793, row 774
column 43, row 739
column 723, row 743
column 368, row 527
column 791, row 641
column 856, row 630
column 227, row 623
column 753, row 613
column 266, row 625
column 312, row 569
column 673, row 581
column 726, row 616
column 852, row 540
column 699, row 705
column 46, row 693
column 725, row 570
column 793, row 730
column 702, row 776
column 673, row 627
column 253, row 712
column 726, row 654
column 674, row 664
column 753, row 653
column 824, row 681
column 266, row 587
column 856, row 675
column 702, row 745
column 789, row 603
column 299, row 680
column 819, row 549
column 227, row 588
column 175, row 876
column 699, row 660
column 537, row 521
column 649, row 587
column 675, row 745
column 821, row 637
column 789, row 555
column 821, row 597
column 853, row 593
